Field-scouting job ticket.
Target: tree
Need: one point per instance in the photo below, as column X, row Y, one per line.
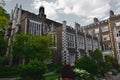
column 40, row 48
column 3, row 45
column 88, row 64
column 37, row 47
column 3, row 23
column 21, row 46
column 97, row 56
column 4, row 16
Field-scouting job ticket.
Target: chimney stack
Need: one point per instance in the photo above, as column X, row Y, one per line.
column 95, row 19
column 111, row 13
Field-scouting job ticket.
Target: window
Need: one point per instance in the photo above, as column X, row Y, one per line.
column 97, row 30
column 90, row 32
column 89, row 44
column 81, row 42
column 95, row 44
column 70, row 40
column 118, row 33
column 119, row 45
column 54, row 39
column 106, row 37
column 118, row 23
column 107, row 47
column 104, row 28
column 34, row 28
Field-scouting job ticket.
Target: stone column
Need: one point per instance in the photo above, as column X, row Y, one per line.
column 65, row 54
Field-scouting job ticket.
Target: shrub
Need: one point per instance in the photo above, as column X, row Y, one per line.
column 3, row 61
column 114, row 71
column 54, row 67
column 67, row 72
column 112, row 60
column 34, row 70
column 87, row 64
column 118, row 69
column 7, row 71
column 104, row 67
column 97, row 56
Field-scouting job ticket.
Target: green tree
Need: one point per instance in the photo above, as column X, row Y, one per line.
column 4, row 16
column 97, row 56
column 40, row 48
column 88, row 64
column 37, row 47
column 21, row 46
column 3, row 23
column 3, row 45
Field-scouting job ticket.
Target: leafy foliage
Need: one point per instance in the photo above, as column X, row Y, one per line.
column 37, row 47
column 33, row 71
column 103, row 68
column 4, row 16
column 3, row 45
column 97, row 56
column 3, row 61
column 20, row 45
column 112, row 61
column 87, row 64
column 82, row 73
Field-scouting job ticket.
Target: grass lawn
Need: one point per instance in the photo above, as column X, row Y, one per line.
column 51, row 76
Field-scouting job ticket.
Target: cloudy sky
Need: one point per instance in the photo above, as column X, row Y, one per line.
column 81, row 11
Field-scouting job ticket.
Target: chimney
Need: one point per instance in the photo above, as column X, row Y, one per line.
column 111, row 13
column 95, row 19
column 64, row 25
column 77, row 26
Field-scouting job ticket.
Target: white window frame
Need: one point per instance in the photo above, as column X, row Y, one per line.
column 89, row 43
column 70, row 40
column 96, row 30
column 95, row 44
column 81, row 42
column 35, row 27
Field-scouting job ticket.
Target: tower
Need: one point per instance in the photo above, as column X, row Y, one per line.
column 42, row 12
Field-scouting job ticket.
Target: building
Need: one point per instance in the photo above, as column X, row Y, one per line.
column 108, row 32
column 71, row 43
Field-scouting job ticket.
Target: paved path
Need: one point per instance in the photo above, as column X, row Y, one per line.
column 7, row 78
column 117, row 77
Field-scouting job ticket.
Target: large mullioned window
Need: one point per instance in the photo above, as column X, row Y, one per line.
column 81, row 42
column 35, row 27
column 70, row 40
column 89, row 44
column 95, row 44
